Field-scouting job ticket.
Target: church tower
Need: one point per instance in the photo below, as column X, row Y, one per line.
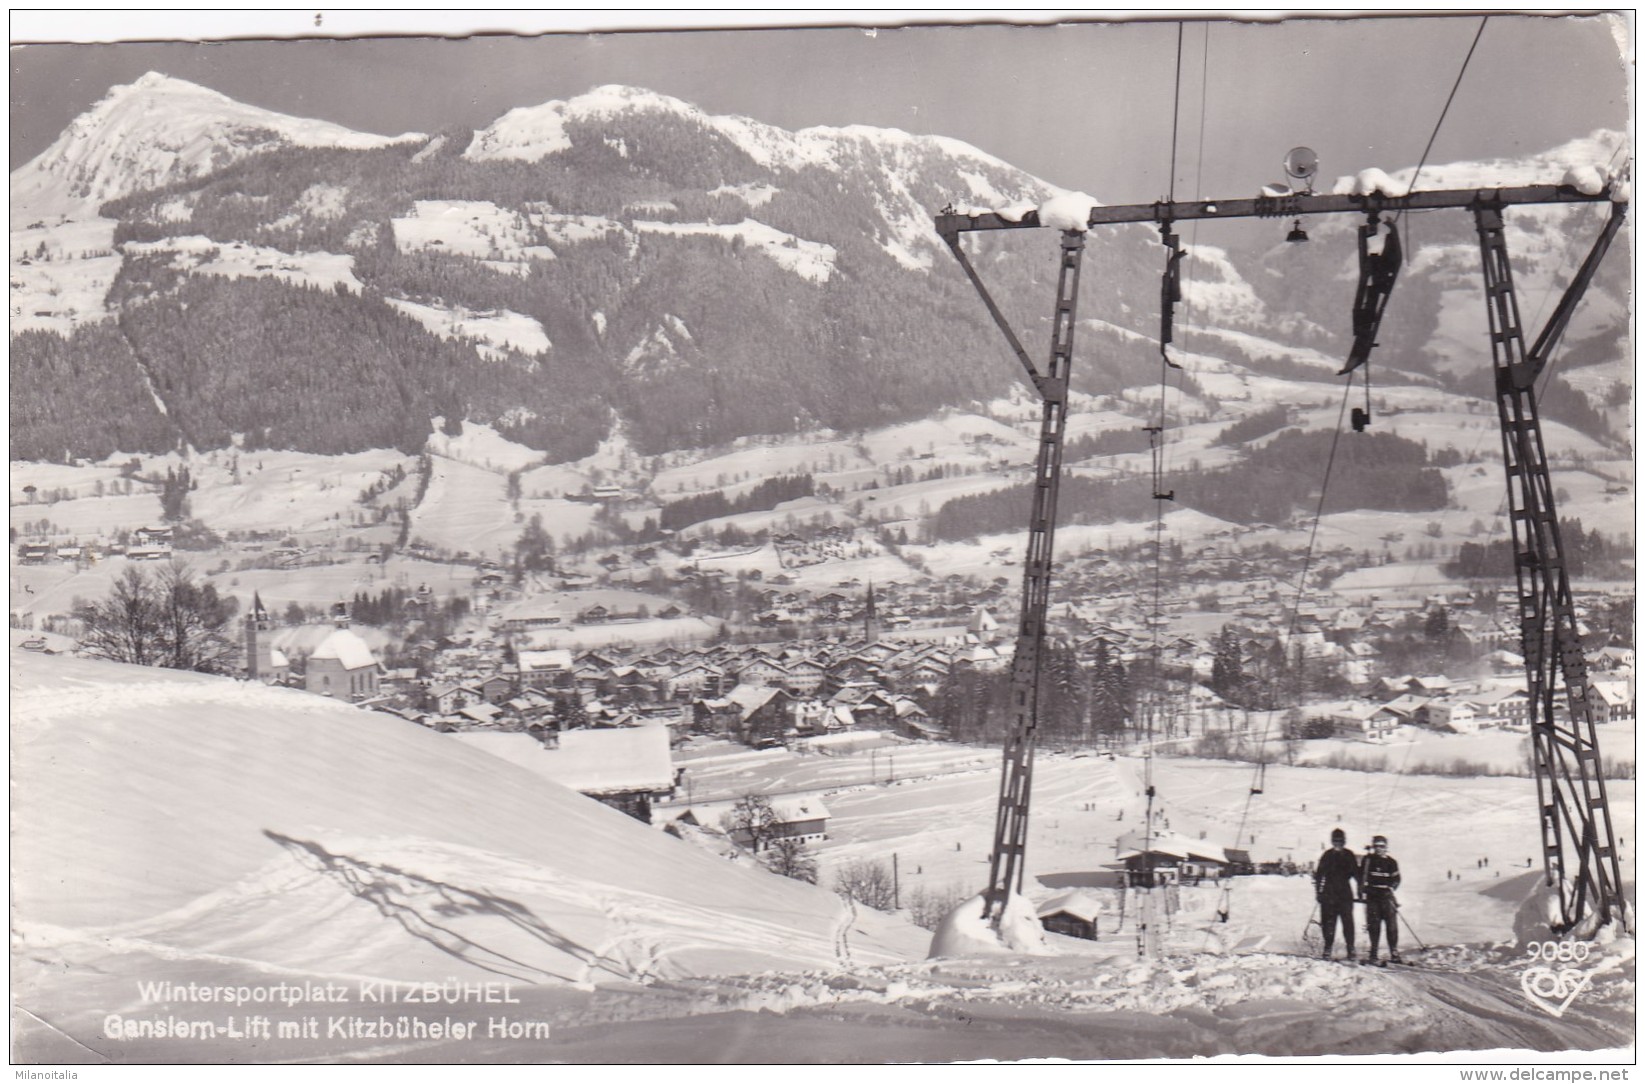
column 871, row 618
column 259, row 655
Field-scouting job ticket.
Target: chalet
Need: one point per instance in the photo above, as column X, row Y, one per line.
column 627, row 768
column 69, row 553
column 531, row 614
column 1501, row 707
column 763, row 672
column 481, row 714
column 594, row 615
column 804, row 677
column 696, row 679
column 447, row 699
column 590, row 676
column 1454, row 714
column 1165, row 857
column 33, row 553
column 496, row 688
column 748, row 713
column 851, row 670
column 152, row 534
column 1073, row 914
column 1612, row 660
column 1409, row 707
column 1363, row 721
column 148, row 553
column 629, row 685
column 530, row 708
column 803, row 820
column 544, row 669
column 1611, row 701
column 927, row 671
column 984, row 657
column 832, row 603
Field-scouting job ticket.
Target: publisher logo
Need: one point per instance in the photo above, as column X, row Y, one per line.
column 1553, row 982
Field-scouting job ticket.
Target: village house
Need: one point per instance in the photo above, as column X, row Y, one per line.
column 1453, row 714
column 550, row 669
column 1612, row 660
column 1500, row 707
column 1611, row 701
column 531, row 614
column 1363, row 722
column 695, row 680
column 448, row 699
column 803, row 820
column 1073, row 913
column 753, row 714
column 763, row 672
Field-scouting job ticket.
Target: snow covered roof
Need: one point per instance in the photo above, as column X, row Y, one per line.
column 1081, row 905
column 347, row 648
column 603, row 761
column 557, row 659
column 1613, row 693
column 1178, row 846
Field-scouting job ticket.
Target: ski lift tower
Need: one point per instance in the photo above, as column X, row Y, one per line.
column 1580, row 859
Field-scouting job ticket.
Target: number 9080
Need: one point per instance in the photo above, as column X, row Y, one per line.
column 1563, row 952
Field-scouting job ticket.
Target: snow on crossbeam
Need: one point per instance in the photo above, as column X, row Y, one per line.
column 952, row 223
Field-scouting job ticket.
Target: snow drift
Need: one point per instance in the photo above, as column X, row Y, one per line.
column 965, row 932
column 190, row 817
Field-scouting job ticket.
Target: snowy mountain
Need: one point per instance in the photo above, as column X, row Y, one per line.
column 625, row 260
column 159, row 131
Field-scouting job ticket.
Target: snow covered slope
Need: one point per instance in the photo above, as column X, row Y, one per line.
column 192, row 818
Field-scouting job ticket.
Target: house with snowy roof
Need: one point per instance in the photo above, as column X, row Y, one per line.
column 627, row 768
column 1611, row 701
column 748, row 713
column 696, row 679
column 1151, row 856
column 1455, row 714
column 342, row 666
column 1073, row 913
column 1364, row 721
column 1500, row 707
column 804, row 820
column 1612, row 659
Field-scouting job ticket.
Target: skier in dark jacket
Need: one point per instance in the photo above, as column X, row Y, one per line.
column 1335, row 877
column 1378, row 877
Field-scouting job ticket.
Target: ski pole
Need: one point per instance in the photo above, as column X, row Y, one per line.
column 1407, row 925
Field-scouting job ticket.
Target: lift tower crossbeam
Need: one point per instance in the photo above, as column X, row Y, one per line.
column 1580, row 858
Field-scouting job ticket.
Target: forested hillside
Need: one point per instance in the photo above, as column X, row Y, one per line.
column 1372, row 471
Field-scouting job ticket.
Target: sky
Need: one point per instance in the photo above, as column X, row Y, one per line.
column 1084, row 105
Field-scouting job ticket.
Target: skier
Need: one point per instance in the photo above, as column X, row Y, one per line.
column 1336, row 876
column 1378, row 877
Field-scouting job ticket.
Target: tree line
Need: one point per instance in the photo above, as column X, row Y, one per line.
column 711, row 505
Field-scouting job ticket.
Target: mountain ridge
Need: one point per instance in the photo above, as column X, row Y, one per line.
column 617, row 257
